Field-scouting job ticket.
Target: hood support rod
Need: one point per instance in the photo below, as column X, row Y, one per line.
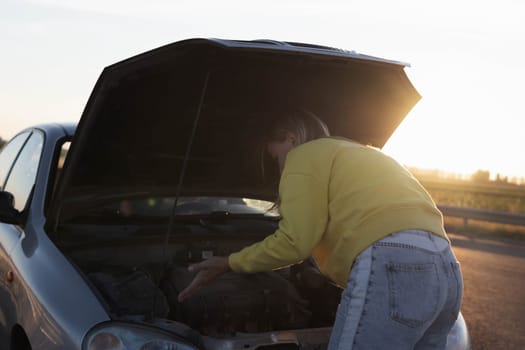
column 179, row 187
column 186, row 157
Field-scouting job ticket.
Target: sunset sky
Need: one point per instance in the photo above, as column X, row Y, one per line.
column 467, row 61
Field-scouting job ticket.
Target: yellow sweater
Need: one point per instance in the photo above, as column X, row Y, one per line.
column 337, row 198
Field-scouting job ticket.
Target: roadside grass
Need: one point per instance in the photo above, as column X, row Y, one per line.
column 484, row 229
column 490, row 196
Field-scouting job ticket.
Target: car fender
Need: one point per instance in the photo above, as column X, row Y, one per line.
column 53, row 303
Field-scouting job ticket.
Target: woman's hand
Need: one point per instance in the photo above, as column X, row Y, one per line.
column 207, row 271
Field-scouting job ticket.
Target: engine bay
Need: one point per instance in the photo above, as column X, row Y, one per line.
column 141, row 276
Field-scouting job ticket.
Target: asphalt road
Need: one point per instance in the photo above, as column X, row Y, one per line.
column 494, row 290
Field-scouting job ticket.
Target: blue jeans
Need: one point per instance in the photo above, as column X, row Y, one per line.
column 404, row 292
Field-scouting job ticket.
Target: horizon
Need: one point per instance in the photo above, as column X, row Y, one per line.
column 488, row 176
column 442, row 174
column 465, row 63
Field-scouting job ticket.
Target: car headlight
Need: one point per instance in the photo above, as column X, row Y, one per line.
column 122, row 336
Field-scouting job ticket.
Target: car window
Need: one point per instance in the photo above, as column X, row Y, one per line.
column 23, row 175
column 8, row 155
column 64, row 149
column 59, row 164
column 55, row 175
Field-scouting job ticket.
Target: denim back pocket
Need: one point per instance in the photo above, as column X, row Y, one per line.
column 413, row 293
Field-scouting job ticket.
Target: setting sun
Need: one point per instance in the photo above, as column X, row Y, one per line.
column 469, row 119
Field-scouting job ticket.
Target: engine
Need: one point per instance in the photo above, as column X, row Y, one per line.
column 138, row 274
column 292, row 298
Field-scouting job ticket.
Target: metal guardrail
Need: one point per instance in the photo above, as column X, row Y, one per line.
column 483, row 215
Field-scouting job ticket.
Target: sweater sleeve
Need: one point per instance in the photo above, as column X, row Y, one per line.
column 304, row 216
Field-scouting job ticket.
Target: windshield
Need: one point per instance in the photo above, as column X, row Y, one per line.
column 157, row 207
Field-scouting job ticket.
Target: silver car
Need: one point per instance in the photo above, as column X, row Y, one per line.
column 99, row 222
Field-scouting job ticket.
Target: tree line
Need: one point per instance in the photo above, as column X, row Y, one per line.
column 478, row 177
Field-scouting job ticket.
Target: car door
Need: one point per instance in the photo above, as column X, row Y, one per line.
column 19, row 161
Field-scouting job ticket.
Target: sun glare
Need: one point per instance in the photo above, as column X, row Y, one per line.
column 463, row 123
column 431, row 138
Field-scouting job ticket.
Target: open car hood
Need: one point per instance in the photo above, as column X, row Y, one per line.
column 189, row 116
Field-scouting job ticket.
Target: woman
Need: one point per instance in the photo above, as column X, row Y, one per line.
column 371, row 228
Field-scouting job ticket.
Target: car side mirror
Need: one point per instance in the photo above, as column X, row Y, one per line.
column 8, row 213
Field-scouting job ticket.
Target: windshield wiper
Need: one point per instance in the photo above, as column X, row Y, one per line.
column 224, row 214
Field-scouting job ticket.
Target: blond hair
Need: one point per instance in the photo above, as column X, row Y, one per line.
column 305, row 125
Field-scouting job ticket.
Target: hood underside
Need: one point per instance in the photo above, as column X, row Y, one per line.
column 208, row 101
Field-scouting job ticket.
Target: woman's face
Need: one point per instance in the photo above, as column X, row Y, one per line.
column 279, row 149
